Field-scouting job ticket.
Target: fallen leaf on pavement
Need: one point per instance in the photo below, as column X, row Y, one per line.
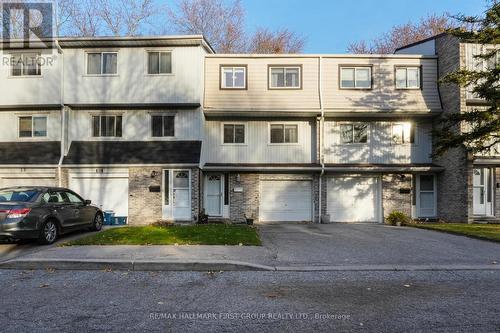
column 43, row 285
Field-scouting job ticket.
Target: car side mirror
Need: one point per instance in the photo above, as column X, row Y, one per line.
column 87, row 202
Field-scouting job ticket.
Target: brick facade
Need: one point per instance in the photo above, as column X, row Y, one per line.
column 454, row 184
column 392, row 198
column 144, row 207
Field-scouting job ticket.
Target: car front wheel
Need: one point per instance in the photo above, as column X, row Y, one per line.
column 48, row 233
column 97, row 224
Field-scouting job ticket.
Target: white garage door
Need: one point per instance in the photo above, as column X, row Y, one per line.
column 106, row 192
column 285, row 200
column 353, row 199
column 8, row 182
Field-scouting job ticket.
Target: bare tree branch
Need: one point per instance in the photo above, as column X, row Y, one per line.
column 280, row 41
column 404, row 34
column 222, row 23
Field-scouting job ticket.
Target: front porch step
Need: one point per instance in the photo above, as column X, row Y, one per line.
column 486, row 219
column 219, row 220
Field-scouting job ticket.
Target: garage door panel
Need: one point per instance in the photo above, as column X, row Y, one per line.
column 353, row 199
column 10, row 182
column 285, row 200
column 108, row 193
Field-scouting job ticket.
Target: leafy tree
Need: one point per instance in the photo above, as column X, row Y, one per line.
column 478, row 129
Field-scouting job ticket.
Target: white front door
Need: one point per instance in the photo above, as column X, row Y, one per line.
column 177, row 194
column 426, row 199
column 353, row 199
column 213, row 194
column 482, row 191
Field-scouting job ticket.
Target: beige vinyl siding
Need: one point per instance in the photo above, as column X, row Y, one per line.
column 257, row 96
column 257, row 148
column 383, row 96
column 379, row 148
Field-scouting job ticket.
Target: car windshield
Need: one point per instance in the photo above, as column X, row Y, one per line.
column 18, row 195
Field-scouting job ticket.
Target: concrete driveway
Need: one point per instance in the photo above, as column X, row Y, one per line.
column 372, row 244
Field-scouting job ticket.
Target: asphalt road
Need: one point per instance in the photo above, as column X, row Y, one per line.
column 79, row 301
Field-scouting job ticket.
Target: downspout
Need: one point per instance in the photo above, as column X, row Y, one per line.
column 321, row 136
column 63, row 114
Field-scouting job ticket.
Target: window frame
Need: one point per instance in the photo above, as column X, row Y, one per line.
column 100, row 136
column 161, row 114
column 32, row 137
column 102, row 63
column 284, row 67
column 420, row 81
column 244, row 143
column 413, row 128
column 355, row 67
column 221, row 76
column 23, row 54
column 146, row 65
column 352, row 123
column 284, row 124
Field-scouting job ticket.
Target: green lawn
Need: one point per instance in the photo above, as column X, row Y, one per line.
column 182, row 235
column 482, row 231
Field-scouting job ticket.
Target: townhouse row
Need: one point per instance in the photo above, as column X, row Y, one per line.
column 162, row 129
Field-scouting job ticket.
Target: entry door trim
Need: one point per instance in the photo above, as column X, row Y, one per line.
column 168, row 210
column 221, row 189
column 488, row 186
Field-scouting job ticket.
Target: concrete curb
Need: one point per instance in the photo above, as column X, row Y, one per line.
column 214, row 265
column 132, row 265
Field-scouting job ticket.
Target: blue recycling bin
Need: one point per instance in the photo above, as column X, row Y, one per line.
column 109, row 217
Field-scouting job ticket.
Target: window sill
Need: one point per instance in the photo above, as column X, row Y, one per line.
column 356, row 88
column 100, row 75
column 284, row 88
column 284, row 144
column 234, row 144
column 159, row 75
column 26, row 77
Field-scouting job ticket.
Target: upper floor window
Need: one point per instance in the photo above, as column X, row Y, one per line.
column 106, row 126
column 354, row 133
column 25, row 64
column 284, row 77
column 102, row 63
column 403, row 133
column 355, row 77
column 407, row 77
column 159, row 62
column 233, row 77
column 234, row 133
column 163, row 125
column 284, row 133
column 32, row 126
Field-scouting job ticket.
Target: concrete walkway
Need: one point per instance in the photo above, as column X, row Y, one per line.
column 287, row 247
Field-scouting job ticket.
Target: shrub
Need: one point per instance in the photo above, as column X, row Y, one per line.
column 397, row 217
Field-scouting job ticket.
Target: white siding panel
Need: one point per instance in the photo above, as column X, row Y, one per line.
column 379, row 148
column 136, row 125
column 132, row 84
column 10, row 125
column 257, row 148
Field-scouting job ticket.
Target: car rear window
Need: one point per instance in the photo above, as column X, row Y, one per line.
column 18, row 195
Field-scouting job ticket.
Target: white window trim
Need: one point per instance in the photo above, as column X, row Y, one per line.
column 285, row 69
column 32, row 137
column 418, row 195
column 419, row 68
column 415, row 134
column 368, row 133
column 104, row 138
column 86, row 53
column 163, row 114
column 233, row 123
column 10, row 76
column 283, row 143
column 160, row 51
column 223, row 81
column 355, row 69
